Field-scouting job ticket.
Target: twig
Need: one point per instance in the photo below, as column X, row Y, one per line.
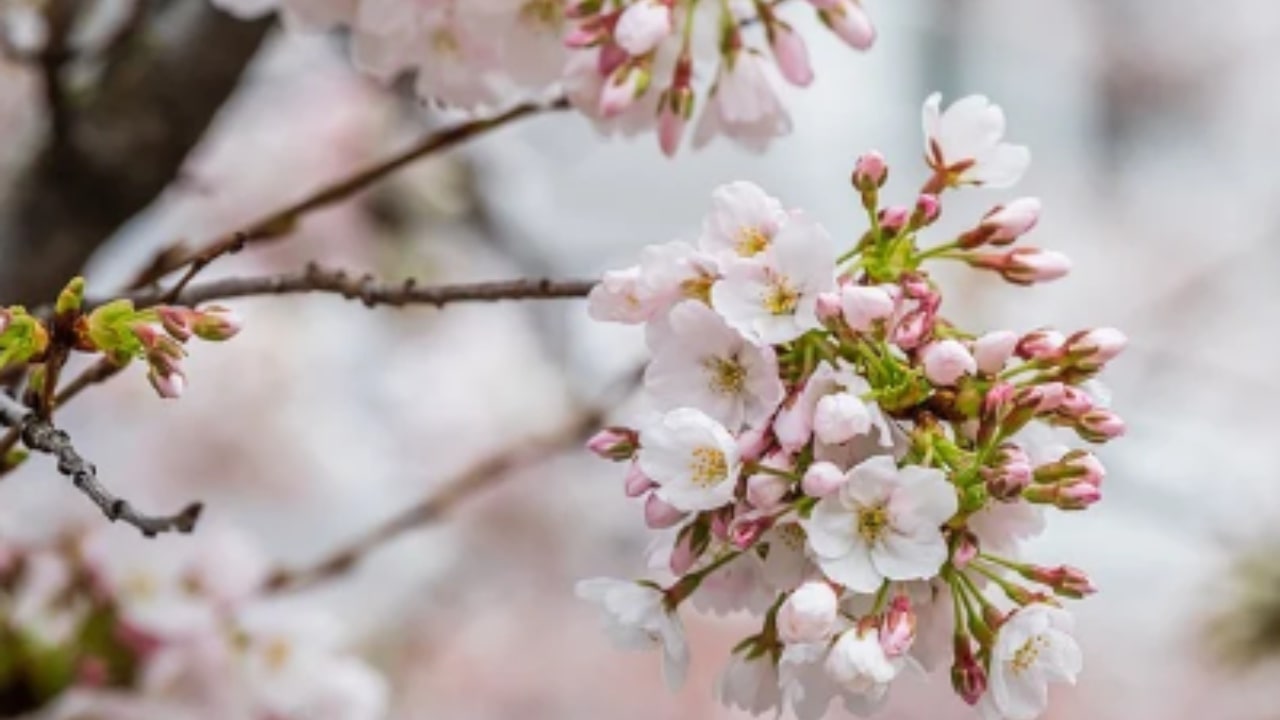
column 282, row 221
column 366, row 289
column 41, row 436
column 484, row 475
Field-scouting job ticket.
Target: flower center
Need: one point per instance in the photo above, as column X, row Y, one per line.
column 708, row 467
column 276, row 654
column 780, row 298
column 698, row 288
column 873, row 521
column 1026, row 655
column 726, row 375
column 751, row 241
column 791, row 536
column 542, row 12
column 444, row 42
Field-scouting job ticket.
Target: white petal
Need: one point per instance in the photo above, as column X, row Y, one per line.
column 853, row 570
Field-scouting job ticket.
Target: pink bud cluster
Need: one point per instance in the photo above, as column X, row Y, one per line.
column 829, row 451
column 630, row 64
column 163, row 337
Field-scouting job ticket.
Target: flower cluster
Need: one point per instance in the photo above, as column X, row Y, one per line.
column 830, row 452
column 112, row 626
column 632, row 65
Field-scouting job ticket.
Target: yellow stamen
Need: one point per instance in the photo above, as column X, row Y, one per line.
column 727, row 377
column 708, row 467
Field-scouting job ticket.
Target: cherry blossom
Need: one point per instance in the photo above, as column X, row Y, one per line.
column 703, row 363
column 883, row 524
column 964, row 143
column 1032, row 650
column 691, row 457
column 638, row 619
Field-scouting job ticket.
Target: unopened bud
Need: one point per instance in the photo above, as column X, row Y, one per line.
column 1099, row 425
column 658, row 514
column 870, row 171
column 614, row 443
column 216, row 323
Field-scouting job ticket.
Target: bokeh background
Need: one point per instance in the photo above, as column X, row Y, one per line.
column 1152, row 131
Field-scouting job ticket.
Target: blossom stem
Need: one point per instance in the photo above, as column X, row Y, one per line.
column 316, row 279
column 282, row 222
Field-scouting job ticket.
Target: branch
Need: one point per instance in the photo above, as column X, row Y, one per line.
column 366, row 289
column 41, row 436
column 282, row 222
column 482, row 476
column 131, row 137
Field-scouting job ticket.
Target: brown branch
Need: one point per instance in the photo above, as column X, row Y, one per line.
column 59, row 15
column 41, row 436
column 482, row 476
column 282, row 222
column 366, row 289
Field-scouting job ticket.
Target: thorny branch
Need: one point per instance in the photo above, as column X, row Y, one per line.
column 368, row 290
column 281, row 222
column 41, row 436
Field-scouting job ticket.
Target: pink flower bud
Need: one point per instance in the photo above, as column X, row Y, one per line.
column 999, row 396
column 822, row 479
column 643, row 26
column 744, row 532
column 870, row 171
column 793, row 426
column 682, row 555
column 1099, row 425
column 898, row 628
column 614, row 443
column 721, row 521
column 1077, row 496
column 968, row 678
column 809, row 614
column 658, row 514
column 927, row 209
column 1090, row 469
column 1009, row 222
column 1040, row 345
column 169, row 385
column 893, row 219
column 6, row 318
column 1051, row 395
column 765, row 491
column 216, row 323
column 863, row 305
column 850, row 23
column 946, row 361
column 752, row 443
column 1072, row 582
column 1075, row 401
column 828, row 306
column 840, row 417
column 1028, row 265
column 964, row 548
column 912, row 330
column 792, row 55
column 993, row 350
column 1011, row 473
column 671, row 124
column 637, row 483
column 176, row 321
column 622, row 89
column 1095, row 348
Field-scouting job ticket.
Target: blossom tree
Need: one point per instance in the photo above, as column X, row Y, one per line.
column 819, row 445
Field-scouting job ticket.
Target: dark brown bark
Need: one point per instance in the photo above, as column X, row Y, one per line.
column 122, row 146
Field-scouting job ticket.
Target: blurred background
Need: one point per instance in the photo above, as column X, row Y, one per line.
column 1151, row 127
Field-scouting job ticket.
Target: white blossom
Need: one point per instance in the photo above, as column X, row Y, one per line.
column 692, row 458
column 701, row 362
column 637, row 618
column 773, row 298
column 883, row 524
column 1032, row 650
column 966, row 141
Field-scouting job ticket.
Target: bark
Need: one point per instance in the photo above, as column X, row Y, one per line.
column 122, row 146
